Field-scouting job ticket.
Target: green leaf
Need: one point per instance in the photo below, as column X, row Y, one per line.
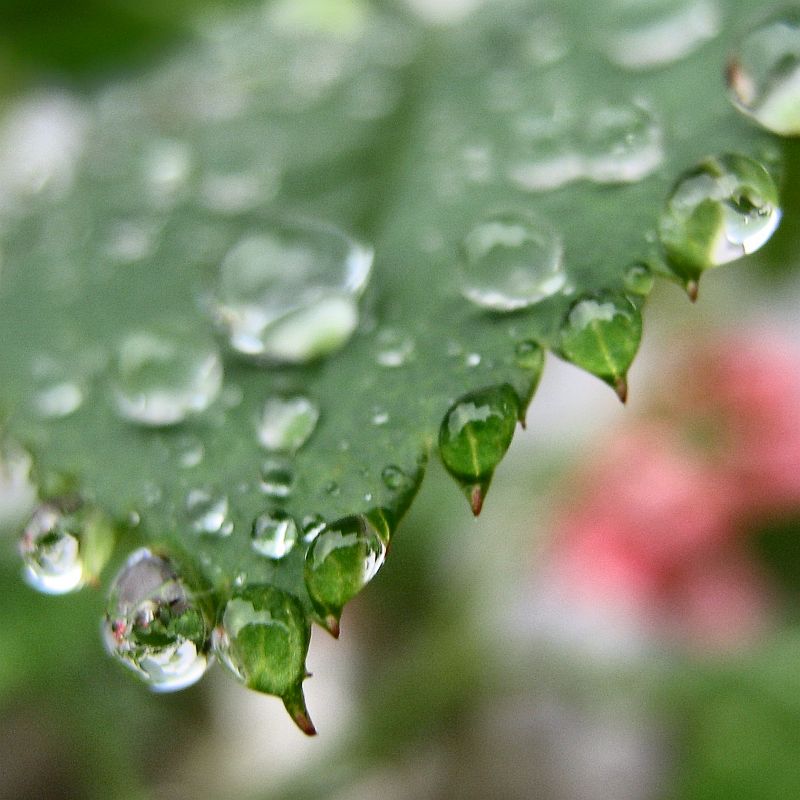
column 510, row 175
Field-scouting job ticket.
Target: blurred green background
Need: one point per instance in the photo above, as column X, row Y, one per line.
column 448, row 684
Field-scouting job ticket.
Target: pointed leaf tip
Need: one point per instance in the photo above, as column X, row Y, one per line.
column 295, row 704
column 331, row 624
column 692, row 289
column 476, row 497
column 621, row 388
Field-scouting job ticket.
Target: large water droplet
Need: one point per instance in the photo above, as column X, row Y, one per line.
column 208, row 512
column 651, row 33
column 263, row 640
column 601, row 334
column 287, row 423
column 63, row 549
column 274, row 534
column 165, row 374
column 154, row 624
column 289, row 292
column 719, row 211
column 475, row 435
column 511, row 261
column 341, row 561
column 764, row 74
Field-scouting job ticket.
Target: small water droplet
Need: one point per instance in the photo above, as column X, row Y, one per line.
column 277, row 478
column 658, row 32
column 638, row 279
column 380, row 417
column 274, row 534
column 208, row 512
column 474, row 437
column 59, row 400
column 312, row 526
column 154, row 625
column 130, row 241
column 287, row 423
column 190, row 451
column 601, row 334
column 529, row 355
column 472, row 359
column 64, row 546
column 50, row 548
column 341, row 561
column 289, row 293
column 721, row 210
column 165, row 374
column 764, row 74
column 17, row 490
column 166, row 168
column 394, row 478
column 511, row 261
column 263, row 640
column 395, row 349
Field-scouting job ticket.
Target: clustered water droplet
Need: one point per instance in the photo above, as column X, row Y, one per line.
column 165, row 374
column 287, row 423
column 764, row 74
column 721, row 210
column 155, row 625
column 511, row 261
column 289, row 292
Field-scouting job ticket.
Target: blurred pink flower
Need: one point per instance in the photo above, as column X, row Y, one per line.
column 656, row 527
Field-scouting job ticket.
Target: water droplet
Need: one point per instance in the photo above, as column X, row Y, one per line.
column 277, row 478
column 287, row 423
column 394, row 478
column 59, row 400
column 190, row 451
column 208, row 512
column 166, row 168
column 164, row 375
column 341, row 561
column 289, row 293
column 380, row 417
column 472, row 359
column 474, row 437
column 64, row 549
column 130, row 241
column 658, row 32
column 154, row 624
column 263, row 640
column 764, row 74
column 601, row 334
column 312, row 526
column 638, row 279
column 511, row 261
column 17, row 491
column 719, row 211
column 395, row 349
column 529, row 355
column 620, row 144
column 274, row 534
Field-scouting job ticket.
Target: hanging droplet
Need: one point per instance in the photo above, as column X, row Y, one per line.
column 64, row 549
column 474, row 437
column 511, row 261
column 312, row 526
column 620, row 144
column 263, row 640
column 208, row 512
column 165, row 374
column 341, row 561
column 277, row 478
column 274, row 534
column 289, row 293
column 287, row 423
column 638, row 279
column 721, row 210
column 764, row 74
column 154, row 625
column 601, row 334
